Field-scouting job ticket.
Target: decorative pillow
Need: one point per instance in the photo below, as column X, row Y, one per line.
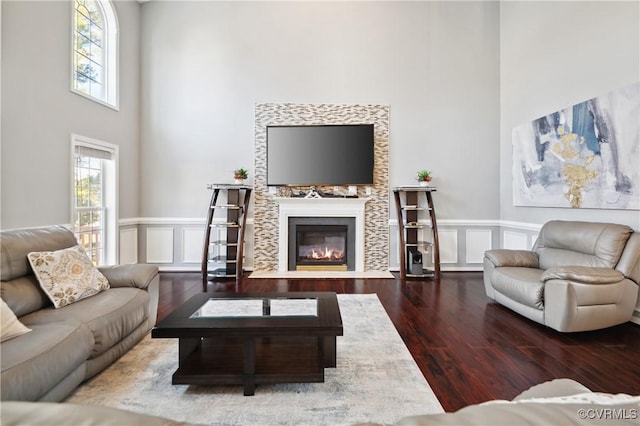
column 10, row 326
column 67, row 275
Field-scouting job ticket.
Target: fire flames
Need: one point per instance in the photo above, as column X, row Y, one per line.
column 324, row 254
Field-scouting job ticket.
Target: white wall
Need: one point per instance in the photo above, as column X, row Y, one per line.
column 554, row 55
column 39, row 112
column 205, row 65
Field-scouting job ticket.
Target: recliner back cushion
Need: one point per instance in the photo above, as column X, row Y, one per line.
column 593, row 244
column 16, row 244
column 24, row 295
column 19, row 287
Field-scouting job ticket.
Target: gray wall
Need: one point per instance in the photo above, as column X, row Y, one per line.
column 205, row 65
column 458, row 76
column 554, row 55
column 39, row 112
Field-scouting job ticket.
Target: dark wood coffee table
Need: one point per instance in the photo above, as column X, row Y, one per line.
column 254, row 338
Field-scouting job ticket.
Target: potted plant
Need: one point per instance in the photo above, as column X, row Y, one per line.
column 240, row 175
column 424, row 177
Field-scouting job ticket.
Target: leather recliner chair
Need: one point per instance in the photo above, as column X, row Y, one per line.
column 578, row 276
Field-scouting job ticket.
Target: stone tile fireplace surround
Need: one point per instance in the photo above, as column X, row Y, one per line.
column 371, row 210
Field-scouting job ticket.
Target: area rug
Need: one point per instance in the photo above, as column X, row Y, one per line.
column 376, row 380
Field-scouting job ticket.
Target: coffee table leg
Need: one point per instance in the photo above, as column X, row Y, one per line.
column 249, row 367
column 328, row 344
column 186, row 346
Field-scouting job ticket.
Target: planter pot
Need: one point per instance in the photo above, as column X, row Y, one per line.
column 238, row 181
column 424, row 183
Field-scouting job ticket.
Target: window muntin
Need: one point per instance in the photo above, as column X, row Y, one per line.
column 94, row 51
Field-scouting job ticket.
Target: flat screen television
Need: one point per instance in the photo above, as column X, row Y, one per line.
column 320, row 155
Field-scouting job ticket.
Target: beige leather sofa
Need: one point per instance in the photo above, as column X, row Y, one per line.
column 579, row 276
column 70, row 344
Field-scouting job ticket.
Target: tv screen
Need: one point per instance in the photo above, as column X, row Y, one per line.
column 320, row 155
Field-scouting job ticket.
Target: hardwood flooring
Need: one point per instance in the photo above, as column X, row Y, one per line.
column 469, row 348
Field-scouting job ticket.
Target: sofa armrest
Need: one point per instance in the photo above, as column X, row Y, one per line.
column 517, row 258
column 583, row 274
column 134, row 275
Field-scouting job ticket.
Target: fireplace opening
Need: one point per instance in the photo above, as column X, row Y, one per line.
column 321, row 247
column 321, row 243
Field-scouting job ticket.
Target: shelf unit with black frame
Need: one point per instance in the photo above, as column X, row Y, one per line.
column 412, row 243
column 222, row 258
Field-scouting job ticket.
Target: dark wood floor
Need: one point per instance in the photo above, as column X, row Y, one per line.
column 468, row 348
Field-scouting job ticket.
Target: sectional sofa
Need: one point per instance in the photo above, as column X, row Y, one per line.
column 70, row 344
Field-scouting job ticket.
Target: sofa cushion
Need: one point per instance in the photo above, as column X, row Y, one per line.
column 110, row 315
column 34, row 363
column 581, row 243
column 520, row 284
column 16, row 244
column 9, row 325
column 24, row 295
column 67, row 275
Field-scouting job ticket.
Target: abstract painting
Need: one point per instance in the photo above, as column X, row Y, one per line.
column 584, row 156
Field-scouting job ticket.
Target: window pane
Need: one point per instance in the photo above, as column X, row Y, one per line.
column 96, row 90
column 83, row 25
column 95, row 34
column 84, row 69
column 94, row 11
column 95, row 53
column 83, row 45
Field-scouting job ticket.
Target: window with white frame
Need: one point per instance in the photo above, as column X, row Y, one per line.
column 95, row 51
column 94, row 195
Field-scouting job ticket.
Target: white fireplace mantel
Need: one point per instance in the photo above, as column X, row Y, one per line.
column 320, row 207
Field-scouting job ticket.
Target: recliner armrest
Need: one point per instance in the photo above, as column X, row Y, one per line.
column 517, row 258
column 133, row 275
column 583, row 274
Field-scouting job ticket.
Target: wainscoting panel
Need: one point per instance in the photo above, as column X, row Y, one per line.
column 448, row 245
column 515, row 240
column 477, row 242
column 159, row 245
column 191, row 248
column 128, row 245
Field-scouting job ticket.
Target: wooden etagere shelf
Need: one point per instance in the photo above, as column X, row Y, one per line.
column 414, row 241
column 222, row 258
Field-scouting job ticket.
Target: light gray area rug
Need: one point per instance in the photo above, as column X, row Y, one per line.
column 376, row 380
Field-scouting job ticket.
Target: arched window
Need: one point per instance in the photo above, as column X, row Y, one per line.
column 95, row 51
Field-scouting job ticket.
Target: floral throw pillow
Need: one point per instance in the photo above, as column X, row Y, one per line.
column 67, row 275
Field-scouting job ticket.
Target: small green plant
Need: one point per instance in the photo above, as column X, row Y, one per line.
column 424, row 176
column 240, row 174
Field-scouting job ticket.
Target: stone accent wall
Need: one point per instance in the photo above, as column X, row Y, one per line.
column 266, row 209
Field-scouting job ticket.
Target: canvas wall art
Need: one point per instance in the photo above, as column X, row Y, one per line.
column 584, row 156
